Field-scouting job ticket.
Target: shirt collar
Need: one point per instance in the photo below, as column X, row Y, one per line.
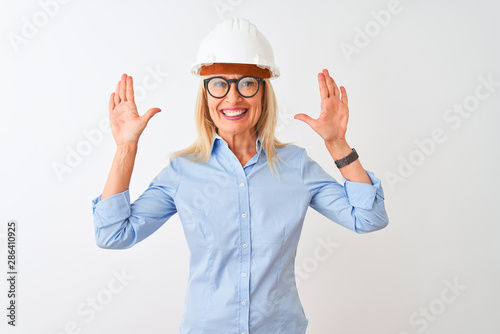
column 217, row 140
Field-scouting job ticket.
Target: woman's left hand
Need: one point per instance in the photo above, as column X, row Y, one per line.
column 331, row 124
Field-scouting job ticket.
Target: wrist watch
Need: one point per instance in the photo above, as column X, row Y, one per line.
column 347, row 159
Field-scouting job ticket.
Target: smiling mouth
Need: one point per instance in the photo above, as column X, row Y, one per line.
column 234, row 113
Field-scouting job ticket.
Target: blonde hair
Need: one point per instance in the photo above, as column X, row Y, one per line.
column 199, row 151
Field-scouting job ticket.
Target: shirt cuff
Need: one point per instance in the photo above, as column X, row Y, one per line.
column 112, row 209
column 362, row 195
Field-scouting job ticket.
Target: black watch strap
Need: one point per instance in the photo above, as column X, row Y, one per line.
column 347, row 159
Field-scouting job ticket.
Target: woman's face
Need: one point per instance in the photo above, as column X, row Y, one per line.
column 234, row 114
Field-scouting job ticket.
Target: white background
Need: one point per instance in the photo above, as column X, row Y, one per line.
column 55, row 85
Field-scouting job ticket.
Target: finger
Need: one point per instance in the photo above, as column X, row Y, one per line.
column 323, row 90
column 344, row 95
column 123, row 87
column 332, row 87
column 336, row 88
column 111, row 102
column 130, row 89
column 306, row 119
column 117, row 93
column 150, row 113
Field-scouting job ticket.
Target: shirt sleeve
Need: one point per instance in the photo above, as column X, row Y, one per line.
column 119, row 224
column 355, row 205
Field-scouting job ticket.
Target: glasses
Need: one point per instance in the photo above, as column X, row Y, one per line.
column 218, row 87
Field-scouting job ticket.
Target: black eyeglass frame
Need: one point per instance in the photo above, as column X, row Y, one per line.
column 229, row 81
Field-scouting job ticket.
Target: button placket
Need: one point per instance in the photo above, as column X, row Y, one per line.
column 244, row 226
column 244, row 239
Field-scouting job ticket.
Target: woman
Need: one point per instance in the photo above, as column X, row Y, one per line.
column 241, row 195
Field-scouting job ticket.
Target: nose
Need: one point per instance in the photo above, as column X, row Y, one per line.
column 233, row 95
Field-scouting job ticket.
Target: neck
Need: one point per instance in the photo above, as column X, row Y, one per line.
column 241, row 144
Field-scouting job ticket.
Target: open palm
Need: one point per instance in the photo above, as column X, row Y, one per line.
column 332, row 121
column 125, row 123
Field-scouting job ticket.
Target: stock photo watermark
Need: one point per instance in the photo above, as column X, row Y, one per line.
column 88, row 309
column 324, row 249
column 284, row 119
column 31, row 26
column 12, row 272
column 310, row 264
column 223, row 6
column 425, row 315
column 210, row 191
column 373, row 28
column 454, row 117
column 94, row 137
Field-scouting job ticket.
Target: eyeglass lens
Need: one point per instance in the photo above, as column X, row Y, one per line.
column 247, row 86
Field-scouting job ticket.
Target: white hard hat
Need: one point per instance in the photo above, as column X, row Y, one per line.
column 236, row 41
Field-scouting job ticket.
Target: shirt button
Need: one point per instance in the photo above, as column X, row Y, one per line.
column 242, row 184
column 244, row 215
column 244, row 245
column 243, row 303
column 244, row 274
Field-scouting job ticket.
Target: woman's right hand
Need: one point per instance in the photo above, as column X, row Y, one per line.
column 124, row 120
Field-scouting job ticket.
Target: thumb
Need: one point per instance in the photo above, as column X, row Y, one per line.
column 150, row 113
column 305, row 118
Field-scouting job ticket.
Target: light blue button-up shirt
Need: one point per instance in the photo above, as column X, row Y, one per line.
column 242, row 226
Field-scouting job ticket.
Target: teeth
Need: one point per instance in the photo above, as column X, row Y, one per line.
column 233, row 113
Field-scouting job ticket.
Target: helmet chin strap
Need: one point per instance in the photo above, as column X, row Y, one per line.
column 242, row 69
